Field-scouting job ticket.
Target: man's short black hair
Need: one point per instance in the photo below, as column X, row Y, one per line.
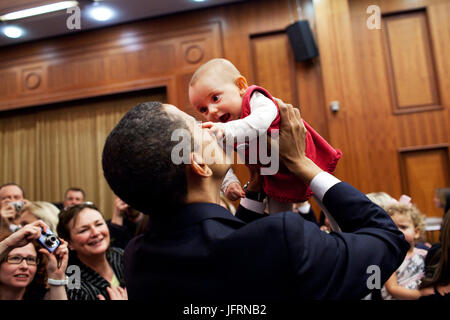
column 76, row 190
column 137, row 160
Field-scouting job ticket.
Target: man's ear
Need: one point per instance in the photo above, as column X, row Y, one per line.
column 242, row 85
column 198, row 166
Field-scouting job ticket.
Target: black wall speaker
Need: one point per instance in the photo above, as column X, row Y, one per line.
column 302, row 40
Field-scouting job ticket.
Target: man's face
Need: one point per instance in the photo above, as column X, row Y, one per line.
column 73, row 197
column 10, row 193
column 211, row 152
column 216, row 98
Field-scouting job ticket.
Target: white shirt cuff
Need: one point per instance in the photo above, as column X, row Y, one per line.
column 304, row 208
column 321, row 183
column 253, row 205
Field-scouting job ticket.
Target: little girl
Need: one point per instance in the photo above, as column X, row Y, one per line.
column 404, row 283
column 236, row 111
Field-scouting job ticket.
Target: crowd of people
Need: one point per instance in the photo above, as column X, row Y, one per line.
column 29, row 271
column 96, row 246
column 174, row 233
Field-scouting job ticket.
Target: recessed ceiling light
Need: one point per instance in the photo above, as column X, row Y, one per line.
column 38, row 10
column 101, row 12
column 12, row 32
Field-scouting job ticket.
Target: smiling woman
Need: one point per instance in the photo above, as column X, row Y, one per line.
column 25, row 267
column 85, row 229
column 22, row 273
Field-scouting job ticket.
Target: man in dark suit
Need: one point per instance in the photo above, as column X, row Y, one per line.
column 195, row 249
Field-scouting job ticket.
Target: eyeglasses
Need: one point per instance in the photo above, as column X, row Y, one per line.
column 31, row 261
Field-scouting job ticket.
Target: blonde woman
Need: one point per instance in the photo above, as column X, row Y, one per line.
column 382, row 199
column 40, row 210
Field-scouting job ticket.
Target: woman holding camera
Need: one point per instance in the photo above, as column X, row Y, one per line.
column 101, row 266
column 27, row 270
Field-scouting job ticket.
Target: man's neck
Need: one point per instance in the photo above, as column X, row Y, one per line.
column 203, row 190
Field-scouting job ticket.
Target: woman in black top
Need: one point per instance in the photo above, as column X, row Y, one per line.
column 437, row 266
column 100, row 267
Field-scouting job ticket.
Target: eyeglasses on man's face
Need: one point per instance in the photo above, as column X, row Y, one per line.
column 31, row 261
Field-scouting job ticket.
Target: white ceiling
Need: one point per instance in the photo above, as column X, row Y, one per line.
column 54, row 24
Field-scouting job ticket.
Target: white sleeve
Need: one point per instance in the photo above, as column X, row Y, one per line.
column 253, row 205
column 320, row 184
column 263, row 113
column 229, row 178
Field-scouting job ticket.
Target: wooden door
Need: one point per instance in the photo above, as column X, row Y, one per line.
column 393, row 88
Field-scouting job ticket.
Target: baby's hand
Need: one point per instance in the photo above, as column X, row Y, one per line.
column 234, row 191
column 215, row 128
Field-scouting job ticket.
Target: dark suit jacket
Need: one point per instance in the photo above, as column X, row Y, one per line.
column 205, row 253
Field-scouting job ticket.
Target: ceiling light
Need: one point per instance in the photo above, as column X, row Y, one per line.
column 38, row 10
column 12, row 32
column 101, row 12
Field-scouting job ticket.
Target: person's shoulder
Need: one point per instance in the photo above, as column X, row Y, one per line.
column 80, row 292
column 132, row 246
column 420, row 252
column 259, row 95
column 279, row 221
column 115, row 251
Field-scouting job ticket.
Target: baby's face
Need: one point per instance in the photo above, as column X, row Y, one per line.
column 217, row 99
column 406, row 225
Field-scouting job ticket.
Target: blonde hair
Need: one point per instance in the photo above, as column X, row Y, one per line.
column 221, row 67
column 382, row 199
column 410, row 210
column 44, row 211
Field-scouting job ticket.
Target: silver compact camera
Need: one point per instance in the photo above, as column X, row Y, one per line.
column 18, row 205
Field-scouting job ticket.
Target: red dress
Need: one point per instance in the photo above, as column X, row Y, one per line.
column 285, row 186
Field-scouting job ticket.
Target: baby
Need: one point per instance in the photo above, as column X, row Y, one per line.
column 235, row 111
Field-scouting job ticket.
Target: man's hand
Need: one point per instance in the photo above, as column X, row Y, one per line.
column 292, row 145
column 119, row 211
column 7, row 211
column 234, row 191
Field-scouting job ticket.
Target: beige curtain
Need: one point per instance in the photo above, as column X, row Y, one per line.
column 48, row 149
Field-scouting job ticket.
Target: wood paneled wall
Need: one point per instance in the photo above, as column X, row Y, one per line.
column 393, row 88
column 165, row 52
